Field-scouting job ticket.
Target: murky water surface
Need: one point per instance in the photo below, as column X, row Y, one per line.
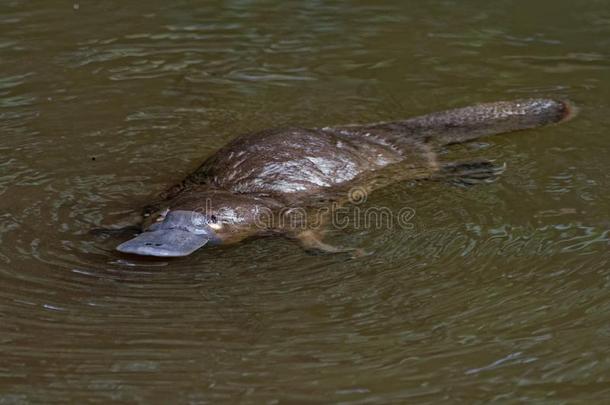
column 497, row 292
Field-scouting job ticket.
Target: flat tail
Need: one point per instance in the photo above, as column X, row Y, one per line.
column 473, row 122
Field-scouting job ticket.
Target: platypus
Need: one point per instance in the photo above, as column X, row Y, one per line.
column 242, row 189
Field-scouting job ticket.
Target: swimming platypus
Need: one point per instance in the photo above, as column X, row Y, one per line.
column 247, row 187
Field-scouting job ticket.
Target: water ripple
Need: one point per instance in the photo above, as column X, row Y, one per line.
column 105, row 104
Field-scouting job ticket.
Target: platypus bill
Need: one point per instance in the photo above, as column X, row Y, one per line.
column 268, row 173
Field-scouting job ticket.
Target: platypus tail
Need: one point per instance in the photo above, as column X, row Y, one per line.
column 469, row 123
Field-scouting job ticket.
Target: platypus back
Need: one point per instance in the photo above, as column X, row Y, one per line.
column 305, row 161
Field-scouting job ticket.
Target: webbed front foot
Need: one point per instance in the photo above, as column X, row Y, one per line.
column 125, row 231
column 312, row 242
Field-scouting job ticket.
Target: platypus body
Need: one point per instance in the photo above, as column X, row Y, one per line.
column 245, row 188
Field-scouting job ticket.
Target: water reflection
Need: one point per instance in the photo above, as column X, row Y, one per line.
column 499, row 292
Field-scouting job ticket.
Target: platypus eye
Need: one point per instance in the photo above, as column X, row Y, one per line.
column 214, row 223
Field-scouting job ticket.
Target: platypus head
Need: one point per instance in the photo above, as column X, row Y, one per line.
column 197, row 218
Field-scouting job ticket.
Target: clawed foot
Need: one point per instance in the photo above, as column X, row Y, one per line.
column 312, row 242
column 466, row 174
column 116, row 232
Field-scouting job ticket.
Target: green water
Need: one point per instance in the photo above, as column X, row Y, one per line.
column 498, row 292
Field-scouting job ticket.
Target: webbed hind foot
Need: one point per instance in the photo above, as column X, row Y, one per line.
column 464, row 174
